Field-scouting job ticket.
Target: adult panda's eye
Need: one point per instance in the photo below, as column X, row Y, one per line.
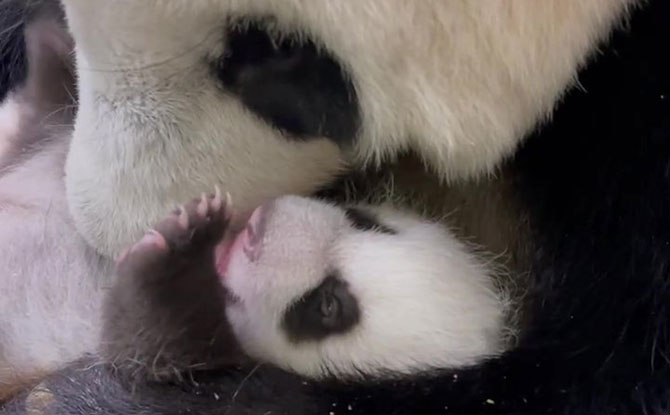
column 289, row 82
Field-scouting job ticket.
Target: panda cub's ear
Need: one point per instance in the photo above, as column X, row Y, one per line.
column 365, row 220
column 328, row 309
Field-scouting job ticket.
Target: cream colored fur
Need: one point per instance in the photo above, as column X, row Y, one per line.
column 52, row 282
column 459, row 81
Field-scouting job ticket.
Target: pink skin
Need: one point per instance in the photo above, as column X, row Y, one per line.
column 157, row 240
column 247, row 242
column 243, row 235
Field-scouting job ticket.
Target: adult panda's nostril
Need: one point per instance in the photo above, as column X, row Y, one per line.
column 289, row 83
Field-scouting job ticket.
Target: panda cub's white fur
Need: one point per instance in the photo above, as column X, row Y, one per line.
column 423, row 300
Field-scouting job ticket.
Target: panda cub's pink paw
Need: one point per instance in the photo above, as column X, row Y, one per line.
column 193, row 227
column 201, row 221
column 152, row 240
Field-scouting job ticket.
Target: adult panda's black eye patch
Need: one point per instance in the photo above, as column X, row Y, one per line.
column 366, row 221
column 290, row 84
column 328, row 309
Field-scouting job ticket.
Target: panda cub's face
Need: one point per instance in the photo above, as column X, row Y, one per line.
column 322, row 290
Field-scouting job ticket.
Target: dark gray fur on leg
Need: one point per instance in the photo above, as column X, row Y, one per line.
column 165, row 317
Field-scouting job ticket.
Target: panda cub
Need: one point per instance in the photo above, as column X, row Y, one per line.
column 307, row 285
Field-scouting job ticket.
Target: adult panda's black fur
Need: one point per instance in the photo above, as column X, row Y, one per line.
column 12, row 50
column 14, row 16
column 595, row 183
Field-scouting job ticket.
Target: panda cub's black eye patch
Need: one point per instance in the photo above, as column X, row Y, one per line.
column 366, row 221
column 289, row 83
column 328, row 309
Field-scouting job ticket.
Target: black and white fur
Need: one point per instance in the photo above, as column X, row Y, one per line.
column 310, row 287
column 459, row 83
column 410, row 299
column 589, row 181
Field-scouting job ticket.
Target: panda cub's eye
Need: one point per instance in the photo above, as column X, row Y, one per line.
column 364, row 220
column 328, row 309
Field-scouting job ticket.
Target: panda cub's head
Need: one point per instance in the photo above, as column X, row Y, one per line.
column 327, row 291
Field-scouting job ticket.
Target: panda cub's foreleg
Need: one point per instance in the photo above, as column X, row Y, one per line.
column 165, row 314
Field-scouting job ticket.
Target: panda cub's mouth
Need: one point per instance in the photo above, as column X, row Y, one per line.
column 248, row 241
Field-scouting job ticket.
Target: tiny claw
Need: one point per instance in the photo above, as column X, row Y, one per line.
column 202, row 206
column 183, row 217
column 216, row 203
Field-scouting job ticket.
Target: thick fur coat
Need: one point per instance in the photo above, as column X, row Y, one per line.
column 593, row 181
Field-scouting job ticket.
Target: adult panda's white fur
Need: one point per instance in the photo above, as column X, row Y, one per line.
column 459, row 82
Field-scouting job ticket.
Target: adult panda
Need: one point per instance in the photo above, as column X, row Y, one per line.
column 612, row 183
